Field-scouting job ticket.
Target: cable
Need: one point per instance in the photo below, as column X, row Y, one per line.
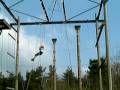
column 27, row 14
column 94, row 2
column 16, row 3
column 68, row 47
column 51, row 5
column 84, row 12
column 40, row 42
column 53, row 9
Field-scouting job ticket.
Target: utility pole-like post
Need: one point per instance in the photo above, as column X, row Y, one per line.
column 107, row 44
column 54, row 63
column 17, row 55
column 77, row 28
column 98, row 54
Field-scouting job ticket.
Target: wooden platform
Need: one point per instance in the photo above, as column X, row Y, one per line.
column 4, row 25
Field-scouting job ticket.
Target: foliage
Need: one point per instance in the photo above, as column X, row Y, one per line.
column 50, row 77
column 69, row 78
column 35, row 79
column 93, row 74
column 40, row 81
column 116, row 76
column 9, row 81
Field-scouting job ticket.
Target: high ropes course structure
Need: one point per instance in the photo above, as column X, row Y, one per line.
column 100, row 25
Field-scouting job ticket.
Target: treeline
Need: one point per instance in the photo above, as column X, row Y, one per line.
column 39, row 80
column 90, row 81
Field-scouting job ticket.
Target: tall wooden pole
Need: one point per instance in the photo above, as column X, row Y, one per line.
column 54, row 63
column 98, row 54
column 77, row 28
column 107, row 45
column 17, row 55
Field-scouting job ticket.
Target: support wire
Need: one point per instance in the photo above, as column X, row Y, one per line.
column 16, row 3
column 84, row 12
column 27, row 14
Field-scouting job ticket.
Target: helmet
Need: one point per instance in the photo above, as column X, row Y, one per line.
column 41, row 47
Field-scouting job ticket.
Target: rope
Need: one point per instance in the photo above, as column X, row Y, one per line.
column 53, row 9
column 43, row 40
column 69, row 58
column 68, row 47
column 8, row 51
column 28, row 83
column 41, row 43
column 30, row 74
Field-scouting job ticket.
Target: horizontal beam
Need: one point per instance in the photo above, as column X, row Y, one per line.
column 9, row 11
column 57, row 22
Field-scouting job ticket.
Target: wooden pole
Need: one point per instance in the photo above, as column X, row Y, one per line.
column 107, row 45
column 17, row 55
column 54, row 63
column 98, row 54
column 77, row 28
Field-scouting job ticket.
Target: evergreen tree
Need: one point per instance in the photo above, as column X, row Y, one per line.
column 70, row 79
column 50, row 77
column 35, row 81
column 93, row 74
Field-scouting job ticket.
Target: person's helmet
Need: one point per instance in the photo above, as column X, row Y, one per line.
column 41, row 47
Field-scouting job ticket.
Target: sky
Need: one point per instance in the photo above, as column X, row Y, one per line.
column 31, row 37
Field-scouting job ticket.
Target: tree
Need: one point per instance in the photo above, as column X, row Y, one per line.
column 116, row 76
column 2, row 82
column 50, row 77
column 36, row 79
column 85, row 81
column 69, row 78
column 20, row 82
column 93, row 74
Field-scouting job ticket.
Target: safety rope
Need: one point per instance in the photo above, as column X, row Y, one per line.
column 68, row 47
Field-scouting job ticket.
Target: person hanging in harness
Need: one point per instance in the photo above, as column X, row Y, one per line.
column 39, row 53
